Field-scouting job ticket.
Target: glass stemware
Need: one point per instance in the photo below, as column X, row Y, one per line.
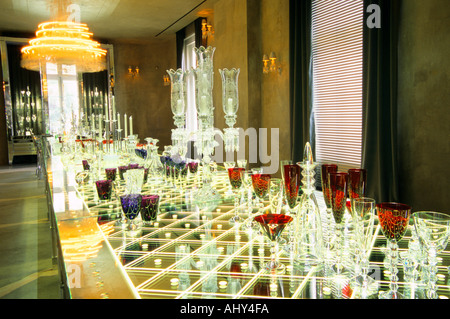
column 272, row 225
column 134, row 179
column 111, row 173
column 104, row 189
column 131, row 206
column 261, row 184
column 235, row 174
column 338, row 191
column 394, row 219
column 326, row 169
column 228, row 165
column 357, row 179
column 149, row 208
column 363, row 219
column 275, row 195
column 292, row 180
column 433, row 230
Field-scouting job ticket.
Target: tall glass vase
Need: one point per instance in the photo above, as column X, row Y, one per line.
column 230, row 104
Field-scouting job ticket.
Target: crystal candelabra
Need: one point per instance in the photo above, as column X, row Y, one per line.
column 207, row 197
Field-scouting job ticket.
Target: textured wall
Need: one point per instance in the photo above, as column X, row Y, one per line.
column 424, row 100
column 275, row 111
column 145, row 97
column 244, row 31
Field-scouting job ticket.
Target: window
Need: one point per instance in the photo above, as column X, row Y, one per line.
column 189, row 61
column 337, row 28
column 63, row 99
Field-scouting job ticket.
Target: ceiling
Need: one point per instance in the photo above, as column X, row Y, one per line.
column 109, row 19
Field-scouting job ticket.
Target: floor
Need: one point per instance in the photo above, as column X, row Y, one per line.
column 26, row 267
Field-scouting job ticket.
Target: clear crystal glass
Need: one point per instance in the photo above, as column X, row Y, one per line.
column 433, row 230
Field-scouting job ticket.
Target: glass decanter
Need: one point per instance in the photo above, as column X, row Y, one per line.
column 308, row 224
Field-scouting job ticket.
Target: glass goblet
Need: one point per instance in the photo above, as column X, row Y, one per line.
column 149, row 208
column 104, row 189
column 261, row 184
column 228, row 165
column 235, row 175
column 433, row 230
column 111, row 173
column 394, row 219
column 242, row 163
column 292, row 180
column 338, row 190
column 131, row 206
column 275, row 195
column 357, row 179
column 363, row 220
column 282, row 164
column 272, row 225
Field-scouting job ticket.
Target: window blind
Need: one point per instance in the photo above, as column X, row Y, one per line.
column 337, row 28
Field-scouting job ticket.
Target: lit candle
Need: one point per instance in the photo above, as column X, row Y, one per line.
column 203, row 103
column 125, row 121
column 118, row 120
column 230, row 104
column 131, row 125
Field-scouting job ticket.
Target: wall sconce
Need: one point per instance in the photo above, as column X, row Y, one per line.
column 166, row 80
column 207, row 30
column 272, row 67
column 265, row 64
column 133, row 71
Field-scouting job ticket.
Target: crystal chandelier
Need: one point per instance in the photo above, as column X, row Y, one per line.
column 64, row 42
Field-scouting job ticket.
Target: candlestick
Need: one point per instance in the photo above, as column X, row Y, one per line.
column 92, row 122
column 125, row 121
column 106, row 112
column 131, row 125
column 113, row 102
column 100, row 125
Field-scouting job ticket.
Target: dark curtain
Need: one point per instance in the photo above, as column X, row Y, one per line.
column 302, row 123
column 26, row 97
column 180, row 35
column 95, row 93
column 379, row 146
